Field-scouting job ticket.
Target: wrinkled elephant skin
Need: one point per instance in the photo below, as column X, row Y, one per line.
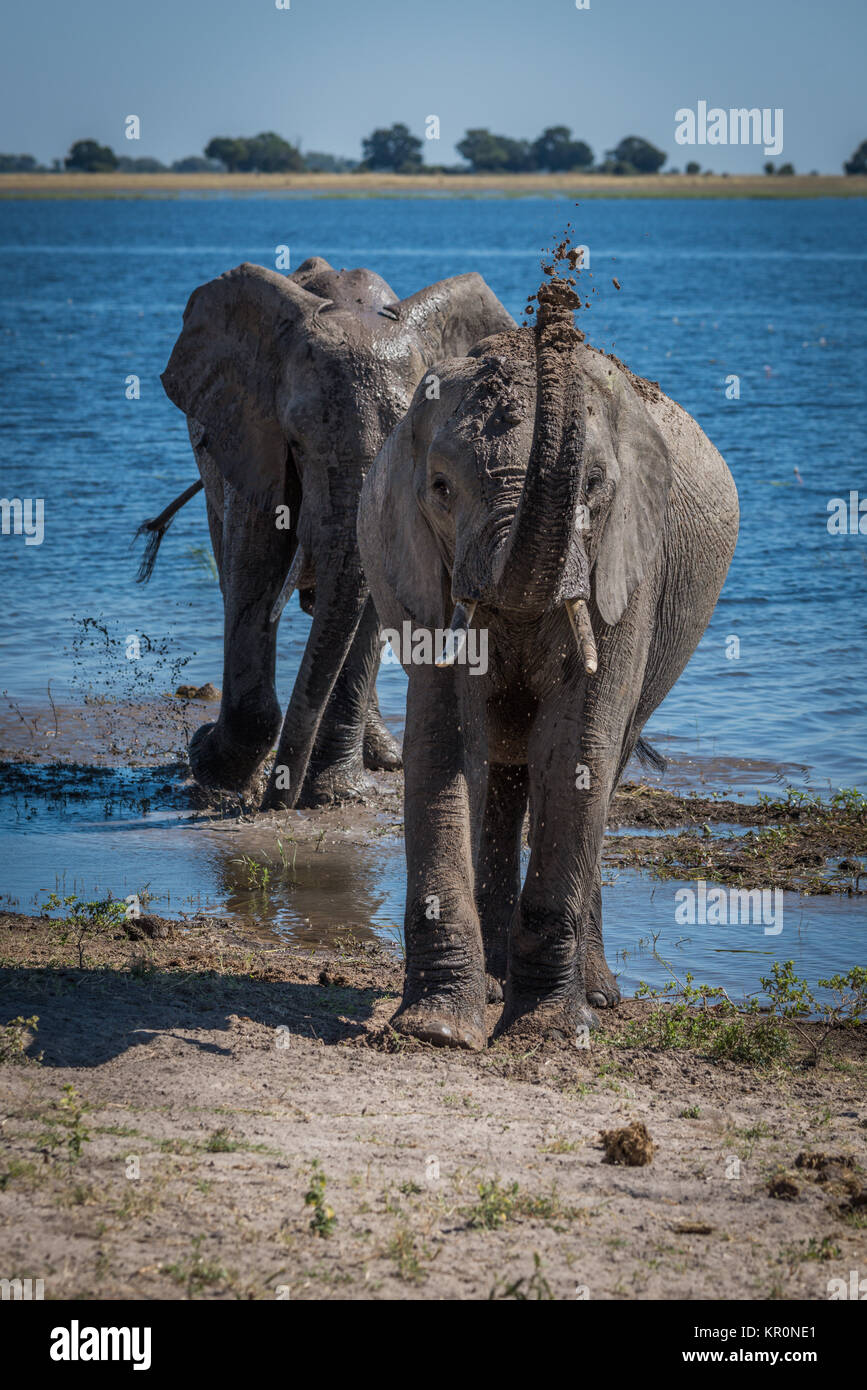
column 290, row 385
column 584, row 524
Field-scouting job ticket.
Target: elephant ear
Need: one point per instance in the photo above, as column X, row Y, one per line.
column 453, row 315
column 401, row 558
column 226, row 370
column 633, row 527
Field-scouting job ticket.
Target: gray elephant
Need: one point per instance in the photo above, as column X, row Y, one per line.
column 290, row 385
column 581, row 523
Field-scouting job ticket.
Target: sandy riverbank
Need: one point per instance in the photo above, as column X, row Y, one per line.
column 67, row 185
column 216, row 1083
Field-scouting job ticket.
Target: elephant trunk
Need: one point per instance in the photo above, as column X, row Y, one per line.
column 543, row 562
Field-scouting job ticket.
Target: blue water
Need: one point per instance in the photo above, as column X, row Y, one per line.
column 774, row 292
column 120, row 832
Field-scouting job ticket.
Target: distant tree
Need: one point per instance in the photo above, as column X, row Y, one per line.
column 228, row 151
column 17, row 164
column 615, row 166
column 640, row 154
column 858, row 163
column 495, row 153
column 555, row 150
column 320, row 163
column 267, row 153
column 786, row 169
column 693, row 167
column 143, row 165
column 195, row 164
column 88, row 157
column 271, row 154
column 769, row 167
column 392, row 147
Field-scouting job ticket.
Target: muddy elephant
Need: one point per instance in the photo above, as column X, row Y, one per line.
column 290, row 385
column 576, row 525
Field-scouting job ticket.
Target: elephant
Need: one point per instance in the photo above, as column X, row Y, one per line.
column 290, row 384
column 577, row 525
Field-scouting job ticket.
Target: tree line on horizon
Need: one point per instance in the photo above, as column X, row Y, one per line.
column 391, row 149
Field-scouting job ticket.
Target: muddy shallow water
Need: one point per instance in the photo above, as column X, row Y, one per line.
column 309, row 877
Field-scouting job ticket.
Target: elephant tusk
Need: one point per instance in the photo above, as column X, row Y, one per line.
column 290, row 584
column 457, row 634
column 579, row 617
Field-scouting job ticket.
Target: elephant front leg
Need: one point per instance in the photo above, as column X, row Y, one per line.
column 444, row 989
column 546, row 988
column 336, row 772
column 498, row 868
column 341, row 597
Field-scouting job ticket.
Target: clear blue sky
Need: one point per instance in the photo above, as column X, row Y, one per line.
column 326, row 72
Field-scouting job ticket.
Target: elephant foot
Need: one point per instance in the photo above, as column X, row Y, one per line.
column 526, row 1020
column 222, row 766
column 437, row 1021
column 339, row 782
column 601, row 986
column 381, row 750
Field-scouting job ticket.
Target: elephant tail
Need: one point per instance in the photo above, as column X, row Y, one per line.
column 156, row 528
column 649, row 758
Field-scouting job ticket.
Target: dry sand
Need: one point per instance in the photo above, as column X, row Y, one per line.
column 220, row 1079
column 68, row 185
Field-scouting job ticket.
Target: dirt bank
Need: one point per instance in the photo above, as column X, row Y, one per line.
column 68, row 185
column 242, row 1123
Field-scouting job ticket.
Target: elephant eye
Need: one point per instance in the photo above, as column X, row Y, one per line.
column 441, row 489
column 594, row 481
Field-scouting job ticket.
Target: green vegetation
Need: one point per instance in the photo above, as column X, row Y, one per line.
column 68, row 1129
column 633, row 156
column 703, row 1018
column 19, row 164
column 554, row 151
column 89, row 157
column 196, row 1273
column 409, row 1254
column 84, row 920
column 394, row 149
column 858, row 163
column 498, row 1204
column 798, row 841
column 323, row 1220
column 534, row 1287
column 267, row 153
column 15, row 1039
column 791, row 998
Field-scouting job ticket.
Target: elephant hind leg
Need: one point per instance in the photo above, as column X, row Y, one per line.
column 381, row 749
column 600, row 984
column 498, row 867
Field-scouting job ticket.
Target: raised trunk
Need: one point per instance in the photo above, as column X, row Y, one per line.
column 542, row 561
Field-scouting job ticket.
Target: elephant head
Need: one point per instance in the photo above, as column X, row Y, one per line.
column 290, row 385
column 539, row 479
